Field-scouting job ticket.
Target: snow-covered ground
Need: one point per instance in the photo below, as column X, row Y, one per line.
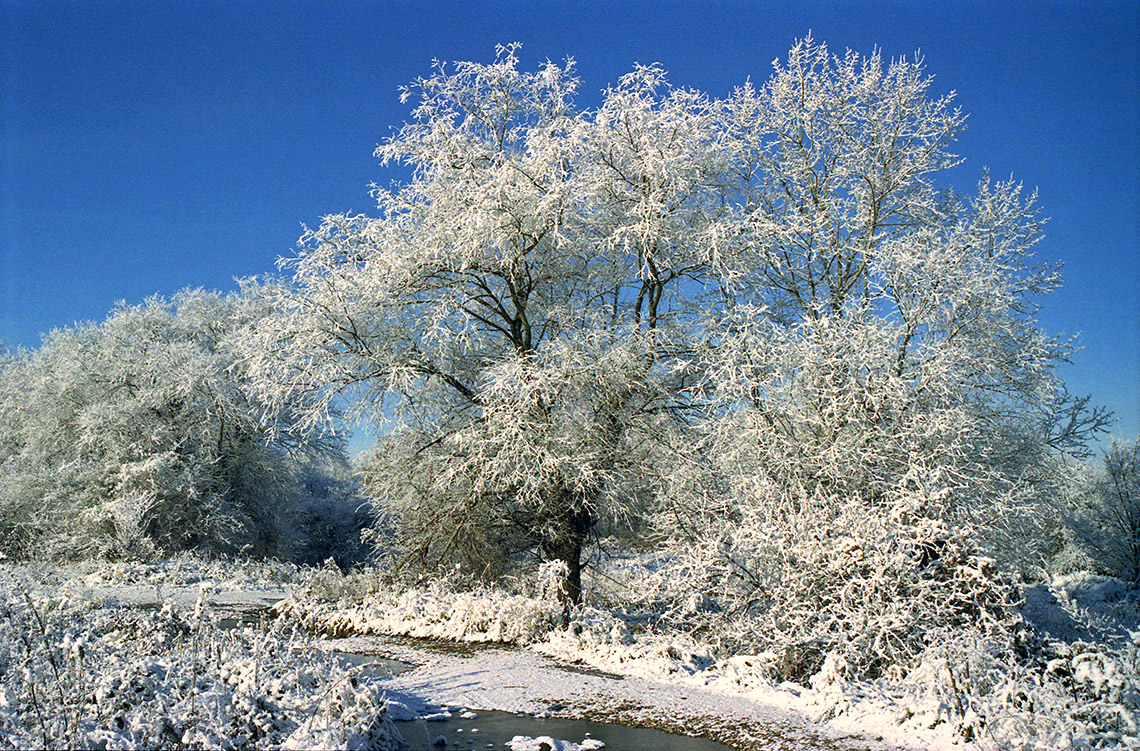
column 1085, row 697
column 132, row 656
column 597, row 669
column 1083, row 607
column 152, row 669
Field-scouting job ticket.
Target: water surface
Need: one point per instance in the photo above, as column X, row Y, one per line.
column 496, row 729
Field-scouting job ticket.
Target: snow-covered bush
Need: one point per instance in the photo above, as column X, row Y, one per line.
column 1103, row 687
column 139, row 435
column 600, row 639
column 842, row 504
column 874, row 590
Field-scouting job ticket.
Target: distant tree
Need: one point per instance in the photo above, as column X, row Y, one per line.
column 138, row 434
column 1104, row 511
column 671, row 301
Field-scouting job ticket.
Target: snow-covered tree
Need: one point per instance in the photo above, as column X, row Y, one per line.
column 886, row 402
column 521, row 305
column 723, row 309
column 139, row 434
column 1104, row 511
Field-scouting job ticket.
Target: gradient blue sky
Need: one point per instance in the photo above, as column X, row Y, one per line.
column 151, row 146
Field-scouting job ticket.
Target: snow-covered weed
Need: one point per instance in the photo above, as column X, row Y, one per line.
column 78, row 676
column 363, row 603
column 604, row 641
column 1080, row 691
column 1079, row 696
column 179, row 570
column 1109, row 608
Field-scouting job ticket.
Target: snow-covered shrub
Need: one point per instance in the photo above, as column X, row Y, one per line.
column 872, row 590
column 843, row 502
column 348, row 715
column 1080, row 686
column 140, row 435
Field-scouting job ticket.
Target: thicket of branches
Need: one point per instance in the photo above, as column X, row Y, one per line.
column 1102, row 512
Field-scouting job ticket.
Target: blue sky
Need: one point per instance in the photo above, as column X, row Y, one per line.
column 151, row 146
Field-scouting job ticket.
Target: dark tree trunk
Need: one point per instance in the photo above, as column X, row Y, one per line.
column 565, row 545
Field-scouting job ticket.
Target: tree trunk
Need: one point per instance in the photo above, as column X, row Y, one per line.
column 566, row 545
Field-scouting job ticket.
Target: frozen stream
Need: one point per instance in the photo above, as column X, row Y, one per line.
column 534, row 695
column 459, row 727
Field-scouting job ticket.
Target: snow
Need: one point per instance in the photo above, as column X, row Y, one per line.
column 639, row 693
column 85, row 666
column 1109, row 607
column 301, row 697
column 144, row 646
column 670, row 681
column 546, row 743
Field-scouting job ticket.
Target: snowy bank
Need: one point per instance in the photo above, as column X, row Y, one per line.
column 1059, row 694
